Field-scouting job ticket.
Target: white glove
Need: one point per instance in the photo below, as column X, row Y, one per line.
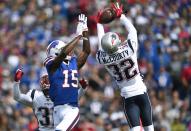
column 82, row 24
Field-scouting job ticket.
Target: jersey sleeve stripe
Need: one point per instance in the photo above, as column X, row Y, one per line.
column 98, row 56
column 130, row 45
column 48, row 59
column 32, row 94
column 45, row 63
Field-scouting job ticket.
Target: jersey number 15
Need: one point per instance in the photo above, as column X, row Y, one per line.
column 74, row 79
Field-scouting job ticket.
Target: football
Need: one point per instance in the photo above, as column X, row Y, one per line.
column 106, row 16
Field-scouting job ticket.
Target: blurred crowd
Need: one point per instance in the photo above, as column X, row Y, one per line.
column 164, row 32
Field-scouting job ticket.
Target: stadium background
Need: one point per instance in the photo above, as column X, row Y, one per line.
column 164, row 32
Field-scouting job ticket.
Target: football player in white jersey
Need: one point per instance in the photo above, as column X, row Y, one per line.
column 120, row 60
column 39, row 100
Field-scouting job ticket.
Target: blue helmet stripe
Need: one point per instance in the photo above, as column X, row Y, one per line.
column 52, row 45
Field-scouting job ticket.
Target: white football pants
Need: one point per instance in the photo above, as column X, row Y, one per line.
column 65, row 117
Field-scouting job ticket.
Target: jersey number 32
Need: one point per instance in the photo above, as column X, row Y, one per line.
column 123, row 70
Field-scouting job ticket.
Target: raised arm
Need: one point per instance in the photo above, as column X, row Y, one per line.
column 100, row 30
column 132, row 32
column 18, row 96
column 53, row 63
column 81, row 59
column 100, row 33
column 62, row 55
column 83, row 55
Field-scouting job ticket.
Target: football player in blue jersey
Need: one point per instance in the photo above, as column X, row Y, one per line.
column 39, row 99
column 62, row 67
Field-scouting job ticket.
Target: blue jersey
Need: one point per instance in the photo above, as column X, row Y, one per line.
column 63, row 82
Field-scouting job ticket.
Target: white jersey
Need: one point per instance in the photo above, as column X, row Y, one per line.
column 42, row 106
column 43, row 109
column 123, row 65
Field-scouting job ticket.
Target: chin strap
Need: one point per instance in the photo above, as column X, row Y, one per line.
column 68, row 57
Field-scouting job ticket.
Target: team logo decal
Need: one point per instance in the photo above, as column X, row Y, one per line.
column 113, row 38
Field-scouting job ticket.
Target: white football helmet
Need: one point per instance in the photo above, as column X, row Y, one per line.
column 110, row 42
column 55, row 47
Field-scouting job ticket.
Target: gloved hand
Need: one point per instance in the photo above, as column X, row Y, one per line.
column 83, row 82
column 82, row 24
column 18, row 75
column 98, row 16
column 117, row 9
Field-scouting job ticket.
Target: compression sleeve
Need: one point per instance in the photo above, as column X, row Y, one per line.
column 100, row 33
column 20, row 97
column 132, row 32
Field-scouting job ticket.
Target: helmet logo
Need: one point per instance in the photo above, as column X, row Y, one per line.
column 52, row 45
column 113, row 38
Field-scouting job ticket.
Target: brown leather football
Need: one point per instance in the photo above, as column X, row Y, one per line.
column 107, row 15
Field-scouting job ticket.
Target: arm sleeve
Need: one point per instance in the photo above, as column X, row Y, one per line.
column 100, row 33
column 81, row 92
column 132, row 32
column 20, row 97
